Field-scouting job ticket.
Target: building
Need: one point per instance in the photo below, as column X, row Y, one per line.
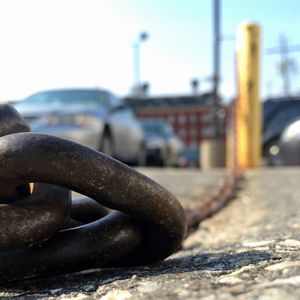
column 191, row 117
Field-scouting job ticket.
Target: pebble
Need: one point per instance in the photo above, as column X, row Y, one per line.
column 147, row 287
column 230, row 280
column 254, row 244
column 55, row 291
column 290, row 243
column 294, row 281
column 117, row 295
column 109, row 280
column 283, row 265
column 89, row 288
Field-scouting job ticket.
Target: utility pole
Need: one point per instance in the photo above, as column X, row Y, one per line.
column 216, row 64
column 286, row 65
column 213, row 150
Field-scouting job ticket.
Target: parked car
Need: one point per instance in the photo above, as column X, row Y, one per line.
column 289, row 144
column 163, row 147
column 93, row 117
column 277, row 115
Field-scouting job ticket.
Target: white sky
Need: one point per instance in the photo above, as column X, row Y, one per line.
column 67, row 43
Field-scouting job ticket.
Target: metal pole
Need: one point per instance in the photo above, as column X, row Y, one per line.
column 136, row 53
column 143, row 36
column 216, row 64
column 213, row 150
column 284, row 64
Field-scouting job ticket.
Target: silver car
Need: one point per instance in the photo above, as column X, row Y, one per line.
column 289, row 145
column 93, row 117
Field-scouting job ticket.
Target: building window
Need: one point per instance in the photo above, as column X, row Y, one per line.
column 206, row 117
column 182, row 119
column 194, row 144
column 171, row 119
column 193, row 132
column 193, row 118
column 182, row 133
column 208, row 132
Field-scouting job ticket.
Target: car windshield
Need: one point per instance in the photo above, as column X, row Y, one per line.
column 156, row 129
column 62, row 99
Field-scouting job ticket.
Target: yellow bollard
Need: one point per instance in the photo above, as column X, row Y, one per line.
column 248, row 105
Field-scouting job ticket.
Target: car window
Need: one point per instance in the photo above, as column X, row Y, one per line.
column 115, row 101
column 285, row 116
column 168, row 130
column 155, row 129
column 61, row 99
column 281, row 120
column 274, row 109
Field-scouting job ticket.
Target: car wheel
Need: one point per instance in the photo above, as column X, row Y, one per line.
column 107, row 145
column 272, row 154
column 141, row 158
column 165, row 160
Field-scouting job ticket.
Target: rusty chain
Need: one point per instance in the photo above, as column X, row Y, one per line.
column 128, row 219
column 223, row 192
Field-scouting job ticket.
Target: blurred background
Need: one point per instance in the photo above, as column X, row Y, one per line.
column 164, row 61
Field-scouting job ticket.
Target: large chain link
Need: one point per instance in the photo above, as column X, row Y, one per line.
column 42, row 233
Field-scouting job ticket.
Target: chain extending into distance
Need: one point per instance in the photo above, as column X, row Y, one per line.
column 128, row 219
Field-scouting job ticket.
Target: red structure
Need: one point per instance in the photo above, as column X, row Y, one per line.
column 190, row 116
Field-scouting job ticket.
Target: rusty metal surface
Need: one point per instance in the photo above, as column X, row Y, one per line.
column 34, row 219
column 87, row 210
column 223, row 192
column 147, row 223
column 12, row 122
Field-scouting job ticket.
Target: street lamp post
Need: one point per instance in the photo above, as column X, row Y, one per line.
column 143, row 36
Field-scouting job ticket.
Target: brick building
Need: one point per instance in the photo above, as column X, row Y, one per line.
column 190, row 116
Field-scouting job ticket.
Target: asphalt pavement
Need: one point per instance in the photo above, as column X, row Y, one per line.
column 249, row 250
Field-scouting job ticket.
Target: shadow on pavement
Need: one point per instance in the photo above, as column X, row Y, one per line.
column 220, row 261
column 206, row 262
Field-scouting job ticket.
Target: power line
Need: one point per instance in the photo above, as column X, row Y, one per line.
column 286, row 65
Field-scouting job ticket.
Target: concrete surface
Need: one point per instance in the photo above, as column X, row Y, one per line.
column 249, row 250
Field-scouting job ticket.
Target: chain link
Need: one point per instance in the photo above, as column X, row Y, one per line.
column 131, row 220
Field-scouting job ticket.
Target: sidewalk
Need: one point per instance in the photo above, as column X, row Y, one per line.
column 188, row 185
column 249, row 250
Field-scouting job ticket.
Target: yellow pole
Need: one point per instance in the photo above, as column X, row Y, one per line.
column 248, row 106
